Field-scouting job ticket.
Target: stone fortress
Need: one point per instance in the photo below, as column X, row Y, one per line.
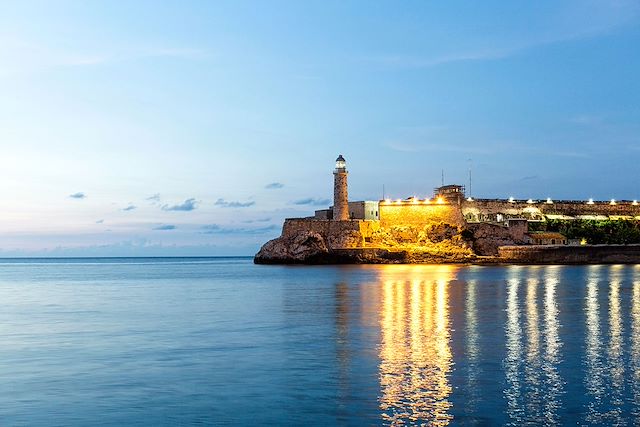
column 447, row 228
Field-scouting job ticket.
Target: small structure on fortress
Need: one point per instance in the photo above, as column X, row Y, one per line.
column 447, row 228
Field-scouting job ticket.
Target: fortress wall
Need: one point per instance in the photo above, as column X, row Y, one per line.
column 419, row 214
column 337, row 234
column 599, row 254
column 324, row 227
column 492, row 207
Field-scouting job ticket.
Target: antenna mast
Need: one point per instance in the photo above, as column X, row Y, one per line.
column 470, row 166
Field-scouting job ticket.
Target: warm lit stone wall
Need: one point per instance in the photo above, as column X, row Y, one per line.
column 419, row 215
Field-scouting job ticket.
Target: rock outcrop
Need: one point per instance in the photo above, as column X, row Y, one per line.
column 299, row 248
column 487, row 238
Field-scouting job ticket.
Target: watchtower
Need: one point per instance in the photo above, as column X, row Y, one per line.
column 340, row 195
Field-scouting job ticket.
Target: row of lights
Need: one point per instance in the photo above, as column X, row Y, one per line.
column 549, row 201
column 439, row 200
column 415, row 201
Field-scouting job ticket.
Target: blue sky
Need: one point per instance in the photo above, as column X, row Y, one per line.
column 194, row 128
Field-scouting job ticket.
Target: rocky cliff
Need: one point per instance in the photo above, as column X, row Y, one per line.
column 314, row 241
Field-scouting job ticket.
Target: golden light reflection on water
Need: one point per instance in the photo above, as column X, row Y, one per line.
column 415, row 351
column 417, row 309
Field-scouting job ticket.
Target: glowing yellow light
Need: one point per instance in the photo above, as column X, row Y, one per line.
column 583, row 241
column 425, row 201
column 612, row 202
column 440, row 200
column 590, row 202
column 387, row 200
column 399, row 201
column 414, row 200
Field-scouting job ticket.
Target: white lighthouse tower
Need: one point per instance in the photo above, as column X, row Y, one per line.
column 340, row 195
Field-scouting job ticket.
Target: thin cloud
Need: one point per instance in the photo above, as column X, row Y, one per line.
column 165, row 227
column 312, row 202
column 100, row 221
column 529, row 178
column 79, row 195
column 218, row 229
column 83, row 60
column 233, row 204
column 129, row 208
column 154, row 198
column 187, row 205
column 407, row 147
column 251, row 221
column 274, row 186
column 27, row 56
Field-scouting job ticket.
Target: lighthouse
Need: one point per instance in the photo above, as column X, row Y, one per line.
column 340, row 195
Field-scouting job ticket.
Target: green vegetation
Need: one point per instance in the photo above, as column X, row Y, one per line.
column 594, row 231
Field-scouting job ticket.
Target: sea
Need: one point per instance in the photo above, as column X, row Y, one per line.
column 221, row 341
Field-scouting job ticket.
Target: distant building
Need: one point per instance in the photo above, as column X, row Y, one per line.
column 547, row 238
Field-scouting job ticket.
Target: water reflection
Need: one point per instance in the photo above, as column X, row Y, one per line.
column 534, row 384
column 595, row 370
column 415, row 352
column 635, row 342
column 514, row 348
column 552, row 356
column 425, row 313
column 472, row 347
column 532, row 370
column 616, row 366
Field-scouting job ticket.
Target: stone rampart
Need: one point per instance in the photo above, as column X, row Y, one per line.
column 337, row 234
column 489, row 209
column 596, row 254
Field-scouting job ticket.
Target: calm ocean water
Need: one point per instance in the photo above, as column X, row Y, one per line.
column 200, row 341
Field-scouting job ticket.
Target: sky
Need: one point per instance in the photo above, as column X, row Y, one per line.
column 194, row 128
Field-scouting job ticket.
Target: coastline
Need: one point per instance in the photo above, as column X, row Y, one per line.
column 508, row 255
